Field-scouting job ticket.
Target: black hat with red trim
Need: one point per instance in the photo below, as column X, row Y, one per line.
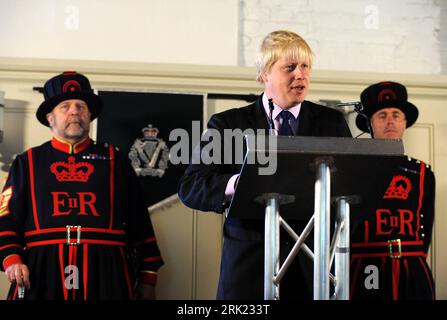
column 66, row 86
column 385, row 95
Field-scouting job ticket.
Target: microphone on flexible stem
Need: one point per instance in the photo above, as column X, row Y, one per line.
column 272, row 130
column 358, row 107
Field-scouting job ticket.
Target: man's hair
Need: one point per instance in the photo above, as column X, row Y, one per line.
column 281, row 44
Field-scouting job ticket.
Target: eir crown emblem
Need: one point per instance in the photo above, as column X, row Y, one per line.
column 72, row 171
column 399, row 188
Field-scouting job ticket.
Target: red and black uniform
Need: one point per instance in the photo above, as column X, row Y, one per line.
column 74, row 215
column 389, row 242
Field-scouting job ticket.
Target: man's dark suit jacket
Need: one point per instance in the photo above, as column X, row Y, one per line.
column 202, row 187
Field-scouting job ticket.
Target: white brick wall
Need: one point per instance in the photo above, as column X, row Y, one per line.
column 401, row 36
column 443, row 34
column 171, row 31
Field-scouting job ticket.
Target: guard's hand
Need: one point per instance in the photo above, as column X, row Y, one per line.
column 145, row 292
column 18, row 273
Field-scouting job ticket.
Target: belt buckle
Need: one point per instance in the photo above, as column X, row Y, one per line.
column 395, row 254
column 78, row 235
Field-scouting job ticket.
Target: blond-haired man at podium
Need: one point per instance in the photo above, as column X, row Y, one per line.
column 284, row 67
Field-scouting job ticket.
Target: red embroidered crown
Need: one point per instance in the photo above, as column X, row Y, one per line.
column 399, row 188
column 72, row 171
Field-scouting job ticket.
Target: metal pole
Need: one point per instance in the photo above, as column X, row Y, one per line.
column 297, row 247
column 321, row 234
column 342, row 256
column 271, row 248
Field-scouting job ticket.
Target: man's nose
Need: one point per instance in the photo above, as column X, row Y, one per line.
column 390, row 120
column 73, row 109
column 298, row 74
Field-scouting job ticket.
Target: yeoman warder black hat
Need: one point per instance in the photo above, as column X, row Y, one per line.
column 385, row 95
column 68, row 85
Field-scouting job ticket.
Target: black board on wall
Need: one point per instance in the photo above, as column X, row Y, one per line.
column 124, row 116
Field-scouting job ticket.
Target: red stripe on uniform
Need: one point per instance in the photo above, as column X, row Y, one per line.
column 81, row 145
column 395, row 267
column 8, row 233
column 16, row 291
column 85, row 268
column 148, row 240
column 64, row 229
column 10, row 245
column 70, row 259
column 152, row 259
column 70, row 255
column 33, row 193
column 151, row 239
column 106, row 242
column 356, row 275
column 126, row 273
column 421, row 197
column 112, row 185
column 64, row 241
column 387, row 255
column 427, row 274
column 384, row 243
column 74, row 263
column 407, row 270
column 366, row 223
column 61, row 264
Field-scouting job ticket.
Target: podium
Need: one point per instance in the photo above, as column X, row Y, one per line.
column 345, row 171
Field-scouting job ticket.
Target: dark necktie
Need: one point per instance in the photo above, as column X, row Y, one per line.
column 285, row 129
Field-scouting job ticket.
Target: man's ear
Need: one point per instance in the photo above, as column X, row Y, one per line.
column 50, row 119
column 371, row 128
column 264, row 77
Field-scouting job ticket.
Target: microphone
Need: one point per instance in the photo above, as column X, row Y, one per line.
column 358, row 107
column 272, row 130
column 340, row 104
